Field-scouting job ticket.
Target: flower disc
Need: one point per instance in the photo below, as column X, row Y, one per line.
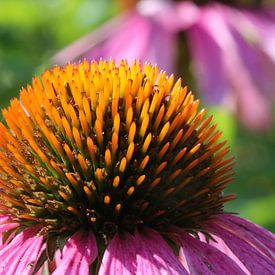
column 111, row 148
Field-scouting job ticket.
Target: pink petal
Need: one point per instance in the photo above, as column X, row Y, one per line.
column 4, row 218
column 177, row 17
column 228, row 76
column 267, row 247
column 266, row 237
column 202, row 258
column 79, row 48
column 22, row 253
column 128, row 36
column 221, row 246
column 4, row 228
column 5, row 225
column 128, row 41
column 78, row 254
column 208, row 65
column 154, row 256
column 57, row 258
column 252, row 31
column 30, row 257
column 261, row 233
column 137, row 37
column 120, row 256
column 252, row 258
column 264, row 23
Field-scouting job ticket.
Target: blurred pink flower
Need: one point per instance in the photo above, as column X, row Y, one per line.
column 147, row 33
column 232, row 50
column 233, row 53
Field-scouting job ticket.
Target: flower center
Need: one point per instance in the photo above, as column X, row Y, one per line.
column 110, row 148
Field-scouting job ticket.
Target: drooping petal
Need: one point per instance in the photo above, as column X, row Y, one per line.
column 221, row 246
column 155, row 257
column 247, row 66
column 202, row 258
column 120, row 256
column 253, row 259
column 22, row 253
column 265, row 236
column 5, row 225
column 78, row 254
column 227, row 80
column 253, row 31
column 30, row 257
column 263, row 21
column 3, row 218
column 177, row 17
column 125, row 36
column 208, row 65
column 135, row 34
column 262, row 239
column 129, row 40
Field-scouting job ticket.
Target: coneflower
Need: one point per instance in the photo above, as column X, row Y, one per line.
column 112, row 170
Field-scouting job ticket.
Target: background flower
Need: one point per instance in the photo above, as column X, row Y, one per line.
column 232, row 39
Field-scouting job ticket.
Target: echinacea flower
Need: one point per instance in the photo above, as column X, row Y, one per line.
column 109, row 169
column 231, row 49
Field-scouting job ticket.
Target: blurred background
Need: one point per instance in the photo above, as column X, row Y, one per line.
column 226, row 52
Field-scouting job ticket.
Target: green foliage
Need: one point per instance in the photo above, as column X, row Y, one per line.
column 226, row 122
column 255, row 177
column 254, row 181
column 32, row 31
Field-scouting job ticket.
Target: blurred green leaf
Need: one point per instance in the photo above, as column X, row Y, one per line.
column 226, row 122
column 261, row 211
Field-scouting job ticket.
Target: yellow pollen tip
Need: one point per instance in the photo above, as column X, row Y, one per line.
column 107, row 200
column 146, row 143
column 140, row 180
column 99, row 175
column 108, row 158
column 116, row 181
column 118, row 208
column 130, row 191
column 122, row 165
column 163, row 132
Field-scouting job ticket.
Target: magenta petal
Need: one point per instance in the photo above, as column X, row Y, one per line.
column 253, row 259
column 3, row 228
column 263, row 240
column 128, row 36
column 202, row 258
column 6, row 224
column 177, row 17
column 137, row 37
column 221, row 246
column 78, row 254
column 30, row 257
column 154, row 256
column 208, row 64
column 227, row 79
column 120, row 256
column 4, row 218
column 266, row 237
column 21, row 252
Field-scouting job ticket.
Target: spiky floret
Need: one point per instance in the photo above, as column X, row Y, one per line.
column 111, row 148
